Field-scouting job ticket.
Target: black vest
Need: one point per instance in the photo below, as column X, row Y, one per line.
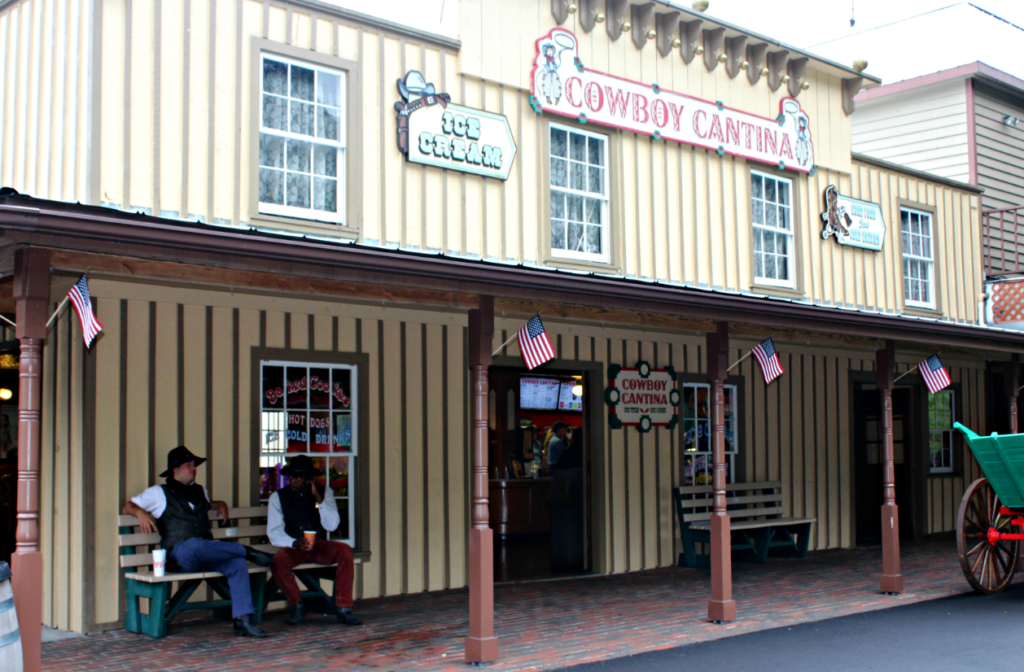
column 300, row 513
column 180, row 521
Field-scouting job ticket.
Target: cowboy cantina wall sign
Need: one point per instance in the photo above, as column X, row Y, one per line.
column 642, row 397
column 562, row 84
column 434, row 131
column 852, row 222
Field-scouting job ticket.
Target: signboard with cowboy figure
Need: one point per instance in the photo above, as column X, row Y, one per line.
column 642, row 397
column 562, row 84
column 852, row 222
column 434, row 131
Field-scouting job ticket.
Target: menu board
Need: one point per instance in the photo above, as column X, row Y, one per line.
column 539, row 393
column 567, row 401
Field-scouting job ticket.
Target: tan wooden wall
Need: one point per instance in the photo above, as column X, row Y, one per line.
column 164, row 372
column 45, row 112
column 176, row 130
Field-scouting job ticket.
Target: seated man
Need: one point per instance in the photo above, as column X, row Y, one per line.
column 180, row 508
column 307, row 506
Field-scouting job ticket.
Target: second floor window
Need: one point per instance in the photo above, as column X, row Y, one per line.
column 771, row 206
column 918, row 259
column 302, row 141
column 579, row 194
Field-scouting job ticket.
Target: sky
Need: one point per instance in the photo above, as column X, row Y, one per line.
column 899, row 38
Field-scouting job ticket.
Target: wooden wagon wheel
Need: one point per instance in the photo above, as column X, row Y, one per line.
column 988, row 567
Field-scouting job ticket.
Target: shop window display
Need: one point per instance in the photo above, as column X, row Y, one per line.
column 695, row 416
column 310, row 409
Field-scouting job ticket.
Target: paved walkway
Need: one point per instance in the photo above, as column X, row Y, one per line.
column 541, row 625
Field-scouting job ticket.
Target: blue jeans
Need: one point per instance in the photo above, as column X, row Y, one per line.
column 226, row 557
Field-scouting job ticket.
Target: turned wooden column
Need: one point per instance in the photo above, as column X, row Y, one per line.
column 481, row 645
column 1012, row 382
column 892, row 579
column 721, row 607
column 31, row 295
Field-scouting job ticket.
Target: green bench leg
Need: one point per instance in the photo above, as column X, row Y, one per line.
column 761, row 542
column 258, row 582
column 803, row 532
column 155, row 623
column 132, row 614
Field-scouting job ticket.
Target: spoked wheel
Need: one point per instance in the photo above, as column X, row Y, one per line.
column 989, row 567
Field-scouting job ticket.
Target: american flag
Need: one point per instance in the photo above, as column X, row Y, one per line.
column 79, row 296
column 534, row 343
column 771, row 367
column 934, row 373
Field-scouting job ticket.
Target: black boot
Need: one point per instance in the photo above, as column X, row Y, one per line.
column 298, row 614
column 245, row 628
column 346, row 616
column 258, row 557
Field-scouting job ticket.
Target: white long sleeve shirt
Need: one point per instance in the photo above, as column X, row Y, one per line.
column 153, row 500
column 329, row 518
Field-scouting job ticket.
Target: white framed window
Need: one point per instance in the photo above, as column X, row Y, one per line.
column 771, row 206
column 302, row 140
column 311, row 409
column 579, row 194
column 918, row 258
column 695, row 414
column 941, row 416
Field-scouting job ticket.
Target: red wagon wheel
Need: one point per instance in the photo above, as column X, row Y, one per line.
column 988, row 567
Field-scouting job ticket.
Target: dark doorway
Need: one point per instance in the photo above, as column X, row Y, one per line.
column 867, row 409
column 8, row 447
column 539, row 494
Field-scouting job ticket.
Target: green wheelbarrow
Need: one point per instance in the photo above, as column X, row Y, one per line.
column 991, row 507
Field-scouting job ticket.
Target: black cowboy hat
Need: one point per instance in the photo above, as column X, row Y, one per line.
column 178, row 457
column 301, row 466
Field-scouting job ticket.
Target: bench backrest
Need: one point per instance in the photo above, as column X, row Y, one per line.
column 136, row 547
column 744, row 500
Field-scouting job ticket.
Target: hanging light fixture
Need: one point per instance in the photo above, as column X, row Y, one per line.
column 577, row 390
column 6, row 394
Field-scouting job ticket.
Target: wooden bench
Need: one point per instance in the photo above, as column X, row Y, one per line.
column 756, row 524
column 137, row 559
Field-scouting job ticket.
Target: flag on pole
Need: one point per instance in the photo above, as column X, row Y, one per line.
column 934, row 373
column 771, row 367
column 534, row 343
column 79, row 296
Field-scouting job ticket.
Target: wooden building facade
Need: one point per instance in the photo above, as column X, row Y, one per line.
column 198, row 277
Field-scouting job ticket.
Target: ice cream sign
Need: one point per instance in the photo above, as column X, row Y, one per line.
column 434, row 131
column 853, row 222
column 641, row 397
column 562, row 84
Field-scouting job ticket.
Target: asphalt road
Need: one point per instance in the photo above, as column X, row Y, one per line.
column 965, row 632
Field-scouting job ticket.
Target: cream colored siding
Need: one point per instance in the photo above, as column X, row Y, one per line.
column 45, row 48
column 925, row 129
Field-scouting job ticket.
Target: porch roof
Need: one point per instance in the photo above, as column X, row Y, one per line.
column 25, row 221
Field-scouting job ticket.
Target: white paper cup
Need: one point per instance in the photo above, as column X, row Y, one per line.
column 159, row 562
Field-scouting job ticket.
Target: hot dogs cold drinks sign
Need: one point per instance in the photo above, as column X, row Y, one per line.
column 561, row 84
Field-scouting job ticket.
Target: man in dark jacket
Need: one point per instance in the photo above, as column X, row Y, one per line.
column 178, row 511
column 306, row 506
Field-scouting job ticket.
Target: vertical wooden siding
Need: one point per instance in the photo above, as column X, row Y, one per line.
column 45, row 113
column 681, row 212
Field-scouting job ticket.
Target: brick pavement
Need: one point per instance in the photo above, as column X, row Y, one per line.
column 541, row 625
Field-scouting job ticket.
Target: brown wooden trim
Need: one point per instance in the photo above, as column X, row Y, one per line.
column 910, row 172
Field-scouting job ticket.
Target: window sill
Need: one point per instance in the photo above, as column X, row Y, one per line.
column 581, row 265
column 922, row 312
column 788, row 292
column 362, row 556
column 303, row 226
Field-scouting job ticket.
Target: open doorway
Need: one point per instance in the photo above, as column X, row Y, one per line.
column 539, row 486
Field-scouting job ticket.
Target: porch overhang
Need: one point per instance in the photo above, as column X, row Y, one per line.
column 25, row 221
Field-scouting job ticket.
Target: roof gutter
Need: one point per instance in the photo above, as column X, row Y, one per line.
column 153, row 238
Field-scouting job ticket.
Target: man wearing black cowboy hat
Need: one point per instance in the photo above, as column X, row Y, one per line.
column 178, row 511
column 305, row 505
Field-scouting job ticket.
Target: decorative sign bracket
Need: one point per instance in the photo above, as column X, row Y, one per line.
column 642, row 397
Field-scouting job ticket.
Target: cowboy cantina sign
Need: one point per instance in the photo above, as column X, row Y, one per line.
column 561, row 84
column 641, row 397
column 852, row 222
column 434, row 131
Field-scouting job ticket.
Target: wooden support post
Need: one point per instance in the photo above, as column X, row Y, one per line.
column 721, row 606
column 31, row 295
column 1011, row 380
column 482, row 644
column 892, row 579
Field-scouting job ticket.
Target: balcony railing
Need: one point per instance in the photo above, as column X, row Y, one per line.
column 1003, row 240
